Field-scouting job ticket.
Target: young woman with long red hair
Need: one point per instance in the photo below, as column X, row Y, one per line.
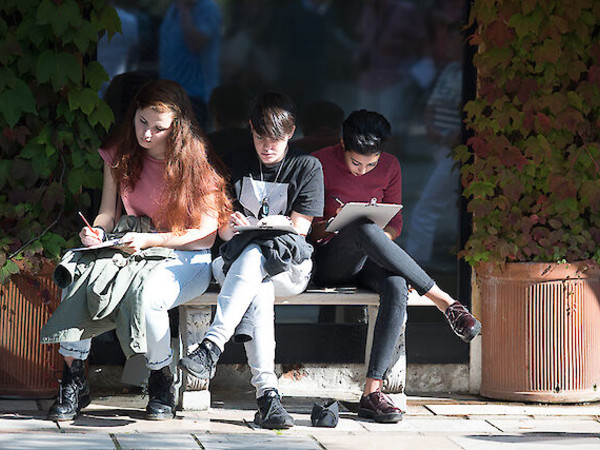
column 158, row 165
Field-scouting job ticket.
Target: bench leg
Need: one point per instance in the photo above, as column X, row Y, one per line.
column 394, row 379
column 194, row 322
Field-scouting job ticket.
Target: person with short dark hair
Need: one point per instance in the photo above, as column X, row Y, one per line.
column 277, row 184
column 362, row 253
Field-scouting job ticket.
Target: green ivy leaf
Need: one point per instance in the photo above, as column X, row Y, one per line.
column 46, row 165
column 94, row 160
column 525, row 25
column 32, row 150
column 57, row 68
column 86, row 36
column 8, row 78
column 9, row 268
column 45, row 12
column 78, row 159
column 5, row 166
column 103, row 115
column 84, row 99
column 95, row 75
column 76, row 179
column 53, row 244
column 16, row 101
column 109, row 20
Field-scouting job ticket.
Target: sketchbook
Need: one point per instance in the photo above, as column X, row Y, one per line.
column 380, row 213
column 269, row 223
column 111, row 243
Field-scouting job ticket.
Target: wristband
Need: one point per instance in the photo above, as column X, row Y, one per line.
column 102, row 233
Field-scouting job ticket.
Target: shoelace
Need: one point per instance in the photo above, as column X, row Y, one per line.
column 275, row 406
column 455, row 313
column 383, row 398
column 66, row 390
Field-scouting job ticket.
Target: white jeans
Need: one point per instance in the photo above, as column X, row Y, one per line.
column 247, row 283
column 170, row 284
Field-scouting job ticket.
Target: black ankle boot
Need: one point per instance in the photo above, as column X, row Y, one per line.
column 161, row 405
column 74, row 393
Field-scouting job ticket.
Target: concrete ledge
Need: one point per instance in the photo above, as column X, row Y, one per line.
column 326, row 296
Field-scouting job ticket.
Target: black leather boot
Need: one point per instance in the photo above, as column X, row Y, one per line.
column 74, row 393
column 161, row 405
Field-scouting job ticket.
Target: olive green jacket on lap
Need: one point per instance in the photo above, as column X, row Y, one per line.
column 102, row 291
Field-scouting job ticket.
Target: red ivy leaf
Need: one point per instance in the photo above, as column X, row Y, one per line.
column 479, row 146
column 490, row 92
column 529, row 121
column 594, row 75
column 569, row 119
column 595, row 52
column 544, row 122
column 499, row 33
column 527, row 223
column 528, row 87
column 563, row 187
column 555, row 102
column 549, row 51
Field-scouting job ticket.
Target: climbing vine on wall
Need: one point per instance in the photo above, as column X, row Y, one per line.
column 52, row 121
column 531, row 166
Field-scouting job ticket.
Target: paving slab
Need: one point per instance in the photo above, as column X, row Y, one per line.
column 12, row 406
column 20, row 422
column 396, row 441
column 498, row 410
column 254, row 441
column 432, row 425
column 548, row 425
column 35, row 440
column 153, row 440
column 533, row 441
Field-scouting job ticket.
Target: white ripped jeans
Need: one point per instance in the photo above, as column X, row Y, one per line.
column 170, row 284
column 247, row 283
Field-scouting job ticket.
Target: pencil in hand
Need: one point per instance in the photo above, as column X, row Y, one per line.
column 93, row 230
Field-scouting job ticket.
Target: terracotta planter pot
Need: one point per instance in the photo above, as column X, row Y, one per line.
column 541, row 339
column 27, row 367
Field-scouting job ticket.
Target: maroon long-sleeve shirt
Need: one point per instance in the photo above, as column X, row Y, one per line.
column 384, row 182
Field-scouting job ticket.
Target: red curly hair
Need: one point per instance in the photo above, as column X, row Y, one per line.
column 194, row 175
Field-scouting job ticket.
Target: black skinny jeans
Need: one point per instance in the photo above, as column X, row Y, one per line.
column 362, row 254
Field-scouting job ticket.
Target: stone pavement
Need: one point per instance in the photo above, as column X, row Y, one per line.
column 452, row 421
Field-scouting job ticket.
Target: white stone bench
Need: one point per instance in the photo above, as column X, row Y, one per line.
column 195, row 318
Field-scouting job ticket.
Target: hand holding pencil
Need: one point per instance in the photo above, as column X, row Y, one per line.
column 341, row 203
column 88, row 234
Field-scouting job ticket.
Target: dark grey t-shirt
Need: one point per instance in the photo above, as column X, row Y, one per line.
column 301, row 173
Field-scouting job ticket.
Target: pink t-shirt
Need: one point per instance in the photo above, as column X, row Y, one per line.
column 384, row 182
column 143, row 200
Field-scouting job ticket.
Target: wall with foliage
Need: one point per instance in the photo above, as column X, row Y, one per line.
column 52, row 121
column 531, row 167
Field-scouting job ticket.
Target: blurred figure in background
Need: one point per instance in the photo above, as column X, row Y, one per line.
column 190, row 36
column 443, row 125
column 117, row 55
column 321, row 124
column 229, row 109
